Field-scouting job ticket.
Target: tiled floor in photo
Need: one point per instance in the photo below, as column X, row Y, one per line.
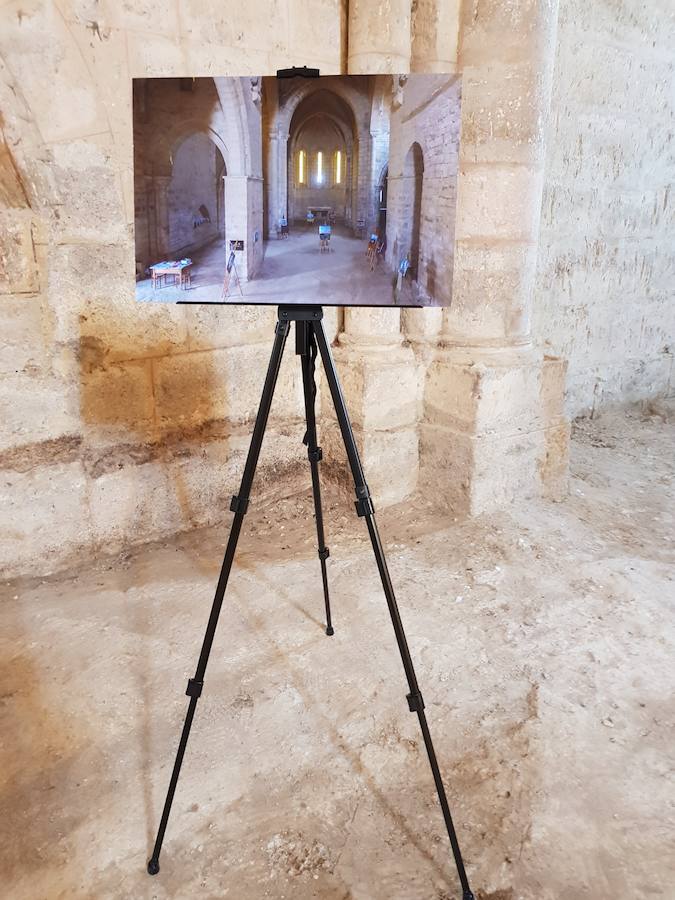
column 293, row 271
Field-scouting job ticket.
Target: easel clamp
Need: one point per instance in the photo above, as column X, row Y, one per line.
column 239, row 504
column 194, row 688
column 415, row 701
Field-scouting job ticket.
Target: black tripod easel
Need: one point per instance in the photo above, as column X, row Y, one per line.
column 310, row 335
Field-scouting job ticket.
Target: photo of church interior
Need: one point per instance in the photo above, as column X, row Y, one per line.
column 339, row 190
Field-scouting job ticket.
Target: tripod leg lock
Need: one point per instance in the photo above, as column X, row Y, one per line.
column 324, row 554
column 194, row 688
column 239, row 504
column 315, row 455
column 415, row 701
column 364, row 506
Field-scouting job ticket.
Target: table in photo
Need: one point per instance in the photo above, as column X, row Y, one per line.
column 179, row 268
column 321, row 212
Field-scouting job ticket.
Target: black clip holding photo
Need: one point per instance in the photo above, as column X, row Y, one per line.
column 298, row 72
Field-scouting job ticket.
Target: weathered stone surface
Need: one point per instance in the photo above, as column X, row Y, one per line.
column 384, row 388
column 34, row 409
column 157, row 401
column 18, row 265
column 606, row 268
column 45, row 517
column 22, row 348
column 118, row 393
column 379, row 38
column 191, row 388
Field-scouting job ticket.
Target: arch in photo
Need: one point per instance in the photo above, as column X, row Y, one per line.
column 322, row 122
column 195, row 188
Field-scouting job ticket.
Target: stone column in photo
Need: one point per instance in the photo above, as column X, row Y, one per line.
column 276, row 177
column 243, row 222
column 281, row 145
column 271, row 184
column 379, row 374
column 160, row 233
column 493, row 426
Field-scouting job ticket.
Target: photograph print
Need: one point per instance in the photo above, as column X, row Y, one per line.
column 335, row 191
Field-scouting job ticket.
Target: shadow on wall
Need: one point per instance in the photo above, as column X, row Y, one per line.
column 152, row 422
column 167, row 416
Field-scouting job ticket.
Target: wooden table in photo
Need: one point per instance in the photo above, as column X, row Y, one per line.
column 181, row 270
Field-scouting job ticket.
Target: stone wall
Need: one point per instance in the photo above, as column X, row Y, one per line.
column 124, row 422
column 606, row 271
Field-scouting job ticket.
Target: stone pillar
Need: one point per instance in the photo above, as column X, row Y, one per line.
column 435, row 35
column 493, row 424
column 379, row 37
column 379, row 374
column 363, row 178
column 382, row 386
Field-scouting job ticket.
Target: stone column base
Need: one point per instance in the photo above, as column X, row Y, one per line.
column 382, row 388
column 494, row 429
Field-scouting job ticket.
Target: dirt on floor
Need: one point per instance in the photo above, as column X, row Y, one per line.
column 543, row 638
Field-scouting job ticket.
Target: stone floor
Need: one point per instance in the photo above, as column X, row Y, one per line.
column 294, row 271
column 544, row 641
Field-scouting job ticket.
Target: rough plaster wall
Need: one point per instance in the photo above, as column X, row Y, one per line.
column 605, row 293
column 121, row 422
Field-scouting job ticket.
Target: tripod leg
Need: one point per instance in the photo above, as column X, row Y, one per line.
column 306, row 349
column 364, row 508
column 238, row 506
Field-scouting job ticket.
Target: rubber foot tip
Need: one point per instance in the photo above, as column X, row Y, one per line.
column 153, row 866
column 468, row 895
column 330, row 631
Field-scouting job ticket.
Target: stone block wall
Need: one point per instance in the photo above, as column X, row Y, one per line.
column 125, row 422
column 122, row 422
column 606, row 266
